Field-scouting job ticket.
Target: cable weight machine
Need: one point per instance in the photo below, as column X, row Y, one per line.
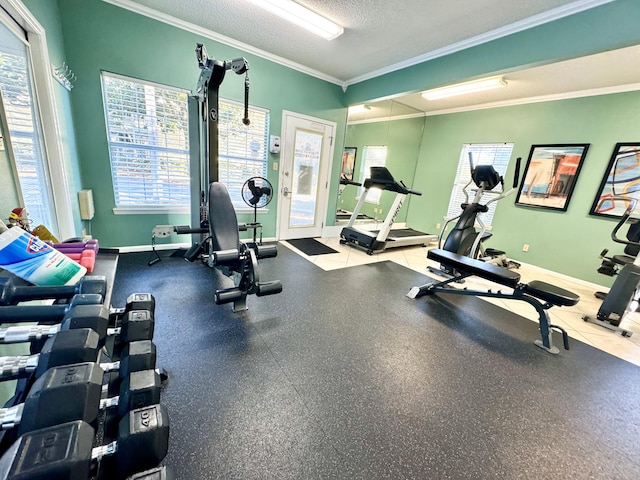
column 215, row 233
column 207, row 96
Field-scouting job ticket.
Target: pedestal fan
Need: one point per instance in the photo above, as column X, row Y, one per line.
column 257, row 192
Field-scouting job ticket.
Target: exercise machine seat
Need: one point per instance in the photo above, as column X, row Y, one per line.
column 223, row 223
column 551, row 293
column 229, row 252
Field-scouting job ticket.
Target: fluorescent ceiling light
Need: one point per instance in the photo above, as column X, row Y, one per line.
column 302, row 17
column 463, row 88
column 363, row 107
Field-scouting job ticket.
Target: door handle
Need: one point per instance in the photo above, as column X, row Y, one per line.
column 285, row 191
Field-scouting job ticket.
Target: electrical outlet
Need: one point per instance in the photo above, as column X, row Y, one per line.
column 162, row 231
column 275, row 166
column 437, row 226
column 525, row 248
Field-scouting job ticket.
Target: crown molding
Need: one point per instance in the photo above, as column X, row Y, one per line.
column 593, row 92
column 205, row 32
column 519, row 26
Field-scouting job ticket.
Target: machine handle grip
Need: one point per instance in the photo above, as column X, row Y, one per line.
column 516, row 175
column 246, row 120
column 625, row 216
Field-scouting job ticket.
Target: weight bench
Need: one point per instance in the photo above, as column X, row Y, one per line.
column 233, row 257
column 541, row 295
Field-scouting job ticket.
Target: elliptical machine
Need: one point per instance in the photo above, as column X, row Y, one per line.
column 464, row 239
column 624, row 295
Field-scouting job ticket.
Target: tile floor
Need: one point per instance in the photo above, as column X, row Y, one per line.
column 570, row 318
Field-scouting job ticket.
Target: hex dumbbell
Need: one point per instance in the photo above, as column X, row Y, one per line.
column 11, row 293
column 78, row 346
column 65, row 451
column 56, row 313
column 73, row 392
column 133, row 326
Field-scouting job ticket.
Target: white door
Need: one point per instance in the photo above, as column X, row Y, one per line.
column 305, row 168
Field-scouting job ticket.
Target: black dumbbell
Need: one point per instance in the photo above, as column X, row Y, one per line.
column 65, row 451
column 73, row 392
column 78, row 346
column 133, row 326
column 12, row 294
column 158, row 473
column 136, row 301
column 55, row 313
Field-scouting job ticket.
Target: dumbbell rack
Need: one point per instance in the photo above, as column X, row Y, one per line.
column 106, row 426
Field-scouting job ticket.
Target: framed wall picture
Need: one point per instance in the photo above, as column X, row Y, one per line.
column 348, row 162
column 550, row 175
column 621, row 178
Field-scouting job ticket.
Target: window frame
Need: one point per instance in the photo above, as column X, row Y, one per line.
column 160, row 208
column 487, row 156
column 48, row 112
column 240, row 205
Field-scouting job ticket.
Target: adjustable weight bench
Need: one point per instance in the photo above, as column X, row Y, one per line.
column 226, row 251
column 541, row 295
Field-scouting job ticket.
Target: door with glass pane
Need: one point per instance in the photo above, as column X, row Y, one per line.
column 307, row 150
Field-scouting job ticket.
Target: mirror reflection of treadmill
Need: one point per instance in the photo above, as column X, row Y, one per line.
column 375, row 241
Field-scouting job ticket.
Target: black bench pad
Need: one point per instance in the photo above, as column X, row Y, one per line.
column 551, row 293
column 471, row 266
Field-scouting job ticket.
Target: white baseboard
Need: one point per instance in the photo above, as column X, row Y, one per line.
column 584, row 283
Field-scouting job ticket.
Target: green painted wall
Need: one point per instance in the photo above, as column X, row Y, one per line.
column 99, row 36
column 567, row 242
column 607, row 27
column 403, row 139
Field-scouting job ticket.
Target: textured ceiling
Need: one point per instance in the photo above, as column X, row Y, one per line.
column 385, row 35
column 378, row 34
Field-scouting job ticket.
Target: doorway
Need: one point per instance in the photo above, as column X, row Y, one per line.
column 305, row 169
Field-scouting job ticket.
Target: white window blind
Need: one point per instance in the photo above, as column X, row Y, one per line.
column 242, row 149
column 372, row 156
column 147, row 126
column 496, row 154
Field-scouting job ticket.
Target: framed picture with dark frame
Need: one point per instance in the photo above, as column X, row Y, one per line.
column 550, row 175
column 348, row 162
column 621, row 178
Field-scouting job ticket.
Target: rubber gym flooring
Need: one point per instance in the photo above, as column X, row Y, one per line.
column 342, row 377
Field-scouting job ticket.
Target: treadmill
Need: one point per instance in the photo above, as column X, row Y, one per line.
column 375, row 241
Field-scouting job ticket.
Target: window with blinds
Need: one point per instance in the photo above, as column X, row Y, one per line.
column 496, row 154
column 147, row 126
column 372, row 156
column 24, row 130
column 242, row 149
